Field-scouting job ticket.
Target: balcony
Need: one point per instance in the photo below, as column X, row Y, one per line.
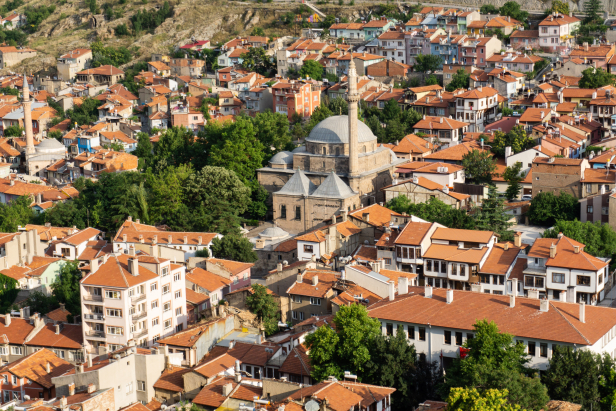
column 140, row 333
column 467, row 54
column 94, row 333
column 92, row 297
column 135, row 299
column 139, row 315
column 94, row 317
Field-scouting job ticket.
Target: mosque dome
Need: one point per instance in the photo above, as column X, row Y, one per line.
column 335, row 130
column 273, row 233
column 50, row 146
column 284, row 157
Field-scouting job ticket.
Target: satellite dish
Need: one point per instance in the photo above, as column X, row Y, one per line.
column 311, row 405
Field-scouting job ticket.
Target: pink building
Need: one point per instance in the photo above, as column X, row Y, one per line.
column 296, row 97
column 187, row 117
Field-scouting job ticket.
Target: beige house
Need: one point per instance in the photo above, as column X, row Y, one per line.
column 108, row 75
column 311, row 295
column 71, row 63
column 10, row 56
column 421, row 190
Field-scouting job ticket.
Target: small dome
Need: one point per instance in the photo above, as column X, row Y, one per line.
column 284, row 157
column 300, row 149
column 335, row 130
column 50, row 145
column 273, row 233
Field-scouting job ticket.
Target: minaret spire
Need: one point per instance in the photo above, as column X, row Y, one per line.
column 26, row 104
column 353, row 139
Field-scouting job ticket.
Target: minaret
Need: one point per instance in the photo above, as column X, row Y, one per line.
column 353, row 140
column 26, row 103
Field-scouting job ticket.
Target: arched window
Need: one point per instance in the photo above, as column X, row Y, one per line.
column 363, row 149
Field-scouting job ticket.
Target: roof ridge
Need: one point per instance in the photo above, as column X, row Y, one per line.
column 121, row 270
column 569, row 322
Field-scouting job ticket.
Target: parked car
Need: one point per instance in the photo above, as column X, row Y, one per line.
column 527, row 197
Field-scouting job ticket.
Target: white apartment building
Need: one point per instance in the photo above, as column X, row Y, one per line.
column 71, row 246
column 560, row 269
column 392, row 46
column 128, row 297
column 439, row 321
column 477, row 107
column 555, row 30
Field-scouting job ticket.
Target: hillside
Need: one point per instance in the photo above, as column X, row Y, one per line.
column 68, row 27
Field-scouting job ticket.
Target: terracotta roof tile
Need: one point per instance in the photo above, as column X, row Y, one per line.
column 172, row 379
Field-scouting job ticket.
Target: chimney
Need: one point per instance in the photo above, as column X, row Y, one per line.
column 403, row 285
column 133, row 266
column 300, row 278
column 130, row 218
column 576, row 249
column 199, row 240
column 506, row 246
column 170, row 239
column 552, row 251
column 366, row 217
column 392, row 291
column 7, row 319
column 185, row 239
column 449, row 296
column 58, row 327
column 91, row 388
column 238, row 373
column 514, row 286
column 517, row 239
column 563, row 296
column 141, row 240
column 428, row 291
column 48, row 368
column 508, row 151
column 315, row 280
column 344, row 215
column 89, row 360
column 544, row 305
column 582, row 312
column 63, row 403
column 512, row 300
column 71, row 389
column 94, row 265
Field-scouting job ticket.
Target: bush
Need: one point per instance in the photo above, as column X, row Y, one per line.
column 121, row 30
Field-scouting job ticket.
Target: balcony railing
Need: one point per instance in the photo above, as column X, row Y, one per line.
column 94, row 333
column 139, row 315
column 137, row 298
column 92, row 297
column 140, row 333
column 96, row 317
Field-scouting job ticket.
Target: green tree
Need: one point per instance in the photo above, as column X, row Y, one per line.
column 262, row 303
column 16, row 213
column 66, row 287
column 391, row 110
column 40, row 302
column 431, row 80
column 479, row 166
column 257, row 31
column 256, row 59
column 496, row 361
column 55, row 134
column 234, row 247
column 338, row 106
column 345, row 349
column 574, row 376
column 488, row 9
column 596, row 77
column 85, row 113
column 13, row 131
column 517, row 139
column 312, row 69
column 599, row 239
column 66, row 214
column 469, row 399
column 491, row 216
column 513, row 176
column 561, row 7
column 459, row 80
column 428, row 62
column 219, row 183
column 143, row 150
column 594, row 12
column 607, row 382
column 377, row 129
column 434, row 210
column 546, row 208
column 272, row 130
column 512, row 9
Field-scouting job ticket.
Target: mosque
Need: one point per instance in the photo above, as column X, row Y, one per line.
column 340, row 168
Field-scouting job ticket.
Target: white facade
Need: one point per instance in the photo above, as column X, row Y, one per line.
column 525, row 157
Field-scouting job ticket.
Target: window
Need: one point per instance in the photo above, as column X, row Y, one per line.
column 387, row 261
column 315, row 301
column 112, row 294
column 428, row 265
column 422, row 334
column 153, row 286
column 140, row 385
column 543, row 350
column 166, row 307
column 154, row 321
column 389, row 327
column 154, row 304
column 177, row 276
column 155, row 338
column 165, row 271
column 308, row 248
column 531, row 349
column 297, row 298
column 129, row 387
column 16, row 351
column 600, row 279
column 470, row 336
column 114, row 313
column 167, row 324
column 115, row 330
column 448, row 337
column 589, row 209
column 443, row 267
column 298, row 213
column 178, row 311
column 583, row 280
column 166, row 289
column 301, row 316
column 59, row 353
column 14, row 380
column 283, row 211
column 458, row 338
column 411, row 332
column 558, row 278
column 178, row 294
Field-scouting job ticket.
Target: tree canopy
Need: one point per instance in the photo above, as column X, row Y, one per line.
column 427, row 62
column 459, row 80
column 479, row 166
column 546, row 208
column 599, row 239
column 596, row 77
column 312, row 69
column 261, row 303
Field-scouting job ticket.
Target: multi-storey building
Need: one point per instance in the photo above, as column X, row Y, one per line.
column 477, row 107
column 439, row 321
column 392, row 45
column 447, row 46
column 514, row 61
column 375, row 28
column 555, row 31
column 476, row 51
column 128, row 297
column 554, row 175
column 71, row 63
column 296, row 97
column 445, row 130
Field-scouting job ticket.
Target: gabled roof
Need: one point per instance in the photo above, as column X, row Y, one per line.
column 115, row 273
column 172, row 379
column 566, row 257
column 298, row 184
column 207, row 280
column 326, row 280
column 34, row 367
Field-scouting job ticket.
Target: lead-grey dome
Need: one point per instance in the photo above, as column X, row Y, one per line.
column 50, row 145
column 335, row 130
column 284, row 157
column 273, row 233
